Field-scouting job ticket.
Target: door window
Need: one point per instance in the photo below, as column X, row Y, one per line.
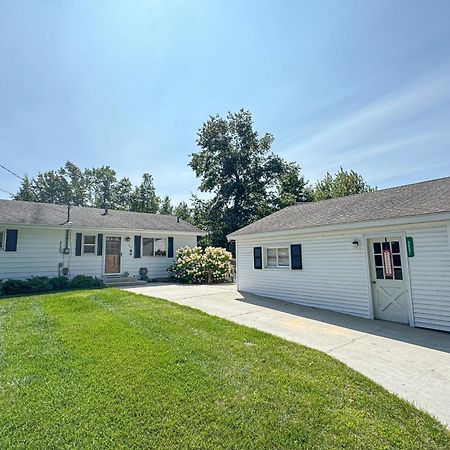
column 394, row 248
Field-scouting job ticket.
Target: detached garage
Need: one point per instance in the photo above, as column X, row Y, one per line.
column 379, row 255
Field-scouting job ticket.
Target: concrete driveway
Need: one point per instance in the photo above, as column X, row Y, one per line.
column 410, row 362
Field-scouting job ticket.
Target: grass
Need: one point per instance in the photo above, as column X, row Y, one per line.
column 111, row 369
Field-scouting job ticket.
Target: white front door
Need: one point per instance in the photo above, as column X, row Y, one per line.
column 387, row 267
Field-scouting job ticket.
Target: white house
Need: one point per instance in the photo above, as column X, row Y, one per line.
column 49, row 240
column 379, row 255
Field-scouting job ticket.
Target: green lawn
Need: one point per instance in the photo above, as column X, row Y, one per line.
column 110, row 369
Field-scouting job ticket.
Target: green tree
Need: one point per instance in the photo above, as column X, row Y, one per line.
column 166, row 207
column 145, row 198
column 77, row 183
column 236, row 166
column 52, row 187
column 124, row 194
column 341, row 184
column 291, row 187
column 183, row 211
column 103, row 181
column 27, row 191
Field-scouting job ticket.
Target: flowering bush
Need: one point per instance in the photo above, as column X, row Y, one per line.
column 193, row 265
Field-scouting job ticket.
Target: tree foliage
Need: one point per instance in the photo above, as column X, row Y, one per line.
column 246, row 180
column 241, row 179
column 94, row 187
column 341, row 184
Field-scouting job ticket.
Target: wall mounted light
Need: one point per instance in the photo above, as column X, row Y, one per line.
column 128, row 239
column 355, row 243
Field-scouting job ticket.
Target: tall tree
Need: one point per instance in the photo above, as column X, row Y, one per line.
column 77, row 183
column 235, row 165
column 124, row 194
column 103, row 181
column 183, row 211
column 291, row 187
column 27, row 191
column 166, row 206
column 341, row 184
column 52, row 187
column 145, row 198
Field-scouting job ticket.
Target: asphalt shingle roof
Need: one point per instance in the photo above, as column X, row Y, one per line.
column 29, row 213
column 427, row 197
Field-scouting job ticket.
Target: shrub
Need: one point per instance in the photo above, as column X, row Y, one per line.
column 218, row 263
column 14, row 287
column 59, row 283
column 45, row 284
column 39, row 284
column 195, row 265
column 85, row 282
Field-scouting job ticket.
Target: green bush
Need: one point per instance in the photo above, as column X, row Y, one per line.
column 85, row 282
column 15, row 287
column 60, row 283
column 39, row 284
column 195, row 265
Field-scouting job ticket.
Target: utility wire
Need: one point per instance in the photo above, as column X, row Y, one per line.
column 7, row 192
column 20, row 178
column 12, row 173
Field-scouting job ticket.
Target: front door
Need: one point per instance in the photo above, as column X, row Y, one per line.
column 388, row 280
column 112, row 254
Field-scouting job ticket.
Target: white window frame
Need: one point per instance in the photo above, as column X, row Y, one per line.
column 277, row 247
column 94, row 253
column 153, row 255
column 2, row 239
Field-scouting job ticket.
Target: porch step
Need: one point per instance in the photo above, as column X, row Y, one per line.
column 122, row 281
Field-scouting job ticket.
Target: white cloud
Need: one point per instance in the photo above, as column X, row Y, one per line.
column 395, row 123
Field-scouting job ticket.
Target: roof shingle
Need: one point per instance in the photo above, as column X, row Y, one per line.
column 29, row 213
column 427, row 197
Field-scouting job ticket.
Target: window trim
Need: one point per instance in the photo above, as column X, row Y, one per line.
column 287, row 247
column 94, row 253
column 153, row 239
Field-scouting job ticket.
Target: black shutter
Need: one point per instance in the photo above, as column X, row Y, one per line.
column 11, row 241
column 199, row 239
column 170, row 247
column 99, row 244
column 137, row 246
column 78, row 244
column 257, row 257
column 296, row 257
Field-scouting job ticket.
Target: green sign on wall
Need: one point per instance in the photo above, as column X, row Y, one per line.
column 410, row 246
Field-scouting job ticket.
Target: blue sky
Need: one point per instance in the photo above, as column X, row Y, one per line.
column 365, row 85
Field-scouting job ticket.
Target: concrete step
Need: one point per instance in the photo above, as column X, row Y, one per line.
column 122, row 281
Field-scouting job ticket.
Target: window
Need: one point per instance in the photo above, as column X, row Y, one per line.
column 277, row 257
column 147, row 247
column 394, row 247
column 154, row 247
column 2, row 235
column 89, row 242
column 160, row 247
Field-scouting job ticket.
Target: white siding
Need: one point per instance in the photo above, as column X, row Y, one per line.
column 333, row 275
column 156, row 265
column 38, row 253
column 430, row 277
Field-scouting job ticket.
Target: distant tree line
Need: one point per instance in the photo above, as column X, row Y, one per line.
column 244, row 180
column 97, row 187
